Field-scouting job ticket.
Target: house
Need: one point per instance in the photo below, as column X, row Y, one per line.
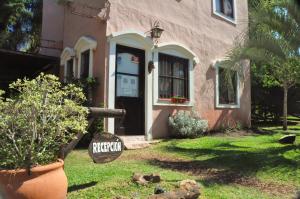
column 115, row 42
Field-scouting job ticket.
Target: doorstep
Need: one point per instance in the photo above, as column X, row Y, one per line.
column 136, row 142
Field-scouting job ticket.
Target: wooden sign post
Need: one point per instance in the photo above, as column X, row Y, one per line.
column 105, row 147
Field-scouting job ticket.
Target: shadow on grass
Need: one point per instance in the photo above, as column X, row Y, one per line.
column 295, row 129
column 272, row 124
column 81, row 186
column 228, row 164
column 291, row 130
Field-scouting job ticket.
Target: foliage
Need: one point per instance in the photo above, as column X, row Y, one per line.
column 88, row 85
column 96, row 127
column 38, row 121
column 231, row 126
column 186, row 125
column 273, row 43
column 20, row 24
column 266, row 98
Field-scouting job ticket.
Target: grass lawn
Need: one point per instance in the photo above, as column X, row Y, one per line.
column 226, row 166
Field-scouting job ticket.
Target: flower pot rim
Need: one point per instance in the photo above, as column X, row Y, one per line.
column 38, row 169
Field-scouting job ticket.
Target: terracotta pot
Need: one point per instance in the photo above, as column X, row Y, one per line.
column 45, row 182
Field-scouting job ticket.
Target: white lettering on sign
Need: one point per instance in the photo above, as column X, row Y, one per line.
column 106, row 147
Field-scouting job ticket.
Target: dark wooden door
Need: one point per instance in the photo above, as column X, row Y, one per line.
column 130, row 86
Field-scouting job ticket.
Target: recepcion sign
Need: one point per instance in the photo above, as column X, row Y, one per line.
column 105, row 147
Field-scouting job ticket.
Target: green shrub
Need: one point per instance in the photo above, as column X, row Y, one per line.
column 186, row 125
column 229, row 126
column 41, row 118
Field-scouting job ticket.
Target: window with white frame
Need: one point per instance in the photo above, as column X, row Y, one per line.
column 173, row 77
column 225, row 8
column 227, row 88
column 84, row 49
column 85, row 64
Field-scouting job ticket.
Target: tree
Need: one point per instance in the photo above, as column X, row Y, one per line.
column 273, row 42
column 20, row 24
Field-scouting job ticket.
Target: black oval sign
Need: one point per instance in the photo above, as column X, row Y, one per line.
column 105, row 147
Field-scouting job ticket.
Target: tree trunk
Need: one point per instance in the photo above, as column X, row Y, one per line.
column 285, row 97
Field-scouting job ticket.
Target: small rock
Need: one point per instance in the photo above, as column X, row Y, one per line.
column 145, row 179
column 139, row 178
column 287, row 139
column 297, row 195
column 188, row 189
column 154, row 178
column 188, row 184
column 159, row 190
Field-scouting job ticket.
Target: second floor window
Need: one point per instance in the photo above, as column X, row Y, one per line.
column 85, row 64
column 173, row 77
column 225, row 8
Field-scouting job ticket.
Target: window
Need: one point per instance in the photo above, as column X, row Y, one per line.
column 69, row 70
column 225, row 8
column 227, row 88
column 127, row 75
column 173, row 77
column 85, row 64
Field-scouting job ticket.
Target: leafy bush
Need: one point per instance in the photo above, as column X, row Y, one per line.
column 186, row 125
column 96, row 127
column 88, row 85
column 230, row 126
column 41, row 118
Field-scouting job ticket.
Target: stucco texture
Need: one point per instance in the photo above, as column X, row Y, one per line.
column 188, row 22
column 193, row 24
column 81, row 21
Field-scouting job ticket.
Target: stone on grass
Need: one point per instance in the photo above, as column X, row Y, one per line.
column 145, row 179
column 159, row 190
column 287, row 139
column 188, row 189
column 139, row 179
column 153, row 177
column 297, row 195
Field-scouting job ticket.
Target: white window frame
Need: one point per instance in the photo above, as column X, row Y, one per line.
column 177, row 50
column 238, row 94
column 83, row 44
column 226, row 18
column 66, row 55
column 133, row 39
column 140, row 40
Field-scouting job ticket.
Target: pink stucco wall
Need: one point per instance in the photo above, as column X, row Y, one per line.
column 193, row 24
column 81, row 24
column 52, row 28
column 189, row 22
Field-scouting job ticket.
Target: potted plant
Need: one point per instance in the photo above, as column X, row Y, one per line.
column 178, row 100
column 35, row 123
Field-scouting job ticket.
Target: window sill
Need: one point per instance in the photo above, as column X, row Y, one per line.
column 227, row 106
column 166, row 102
column 227, row 19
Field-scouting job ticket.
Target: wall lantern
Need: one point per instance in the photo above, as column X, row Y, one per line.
column 156, row 31
column 150, row 66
